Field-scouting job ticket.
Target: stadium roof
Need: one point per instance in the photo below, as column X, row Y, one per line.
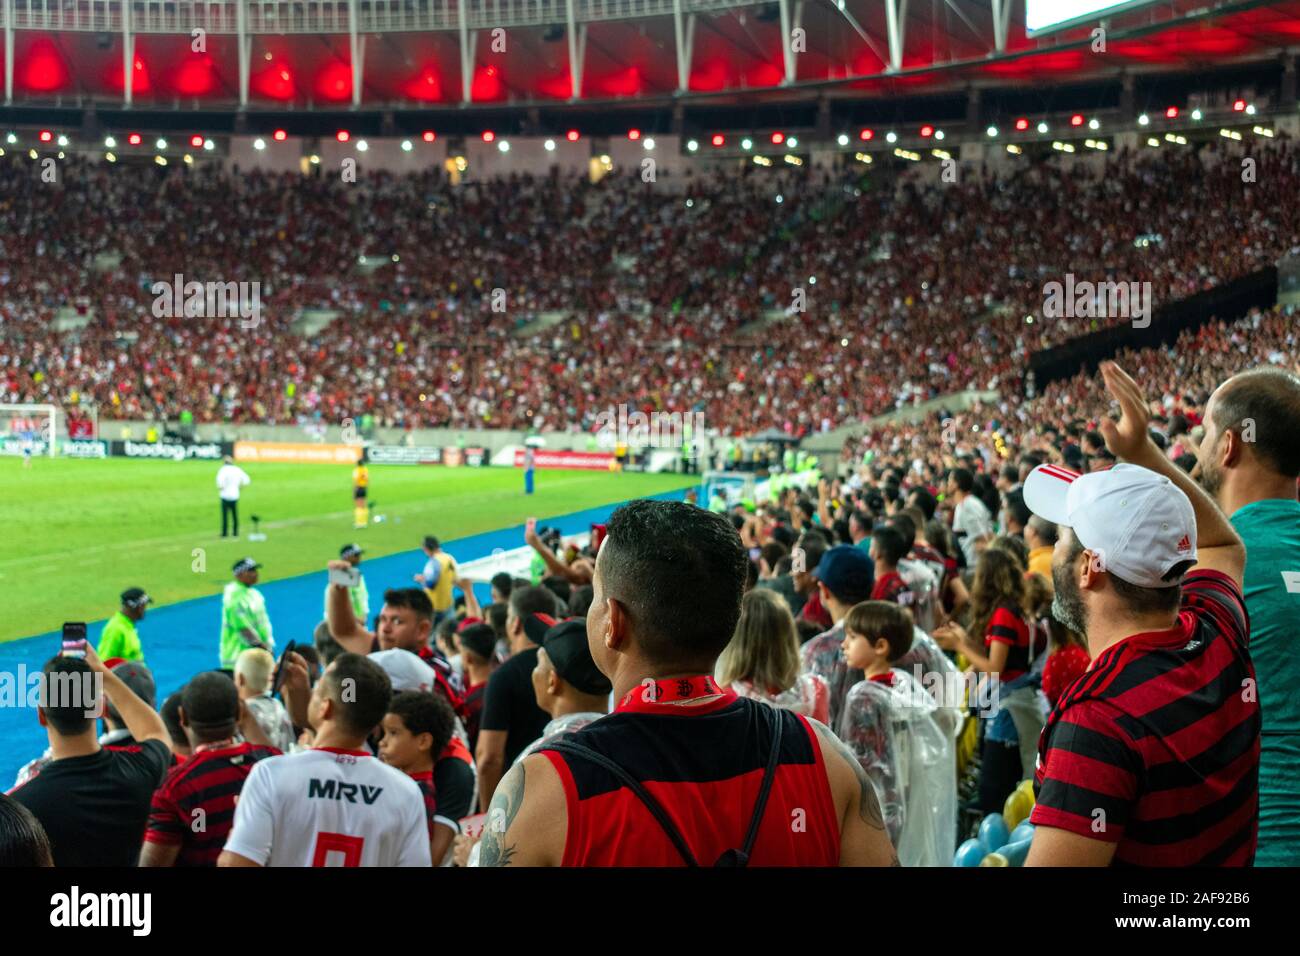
column 419, row 54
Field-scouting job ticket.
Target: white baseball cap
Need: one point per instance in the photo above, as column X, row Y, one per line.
column 1138, row 522
column 405, row 670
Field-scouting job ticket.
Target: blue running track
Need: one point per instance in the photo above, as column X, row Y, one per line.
column 180, row 640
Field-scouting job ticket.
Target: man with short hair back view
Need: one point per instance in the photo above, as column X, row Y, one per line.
column 725, row 776
column 335, row 804
column 1151, row 757
column 1249, row 460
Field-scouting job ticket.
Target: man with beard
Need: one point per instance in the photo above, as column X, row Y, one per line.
column 1150, row 758
column 1249, row 460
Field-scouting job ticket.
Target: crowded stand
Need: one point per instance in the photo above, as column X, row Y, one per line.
column 1052, row 627
column 912, row 289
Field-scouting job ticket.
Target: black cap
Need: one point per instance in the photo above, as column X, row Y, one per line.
column 566, row 648
column 348, row 550
column 135, row 597
column 479, row 638
column 245, row 564
column 536, row 625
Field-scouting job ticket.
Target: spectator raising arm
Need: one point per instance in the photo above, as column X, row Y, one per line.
column 343, row 624
column 1218, row 547
column 140, row 719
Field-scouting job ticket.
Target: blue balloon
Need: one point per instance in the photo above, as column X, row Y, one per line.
column 1024, row 831
column 993, row 832
column 1016, row 852
column 969, row 854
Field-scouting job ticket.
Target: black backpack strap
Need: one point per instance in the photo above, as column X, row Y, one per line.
column 741, row 857
column 654, row 806
column 731, row 858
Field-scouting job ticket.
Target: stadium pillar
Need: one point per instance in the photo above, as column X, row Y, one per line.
column 128, row 56
column 1126, row 96
column 9, row 51
column 684, row 36
column 577, row 50
column 973, row 108
column 357, row 51
column 242, row 40
column 894, row 17
column 1001, row 21
column 466, row 52
column 787, row 54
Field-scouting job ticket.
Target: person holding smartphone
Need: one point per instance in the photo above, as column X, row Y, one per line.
column 93, row 801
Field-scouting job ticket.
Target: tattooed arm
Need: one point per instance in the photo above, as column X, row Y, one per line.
column 863, row 838
column 527, row 820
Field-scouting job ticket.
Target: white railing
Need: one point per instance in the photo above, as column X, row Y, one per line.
column 331, row 16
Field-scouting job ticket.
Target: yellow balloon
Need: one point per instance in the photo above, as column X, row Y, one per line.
column 1017, row 808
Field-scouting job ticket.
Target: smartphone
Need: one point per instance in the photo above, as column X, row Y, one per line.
column 348, row 579
column 74, row 639
column 278, row 679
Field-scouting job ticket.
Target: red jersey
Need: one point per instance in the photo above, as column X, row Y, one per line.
column 705, row 765
column 1157, row 742
column 195, row 806
column 889, row 587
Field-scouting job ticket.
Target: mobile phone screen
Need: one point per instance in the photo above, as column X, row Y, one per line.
column 74, row 639
column 347, row 579
column 279, row 669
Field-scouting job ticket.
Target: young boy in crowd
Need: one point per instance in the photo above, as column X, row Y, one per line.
column 890, row 722
column 417, row 729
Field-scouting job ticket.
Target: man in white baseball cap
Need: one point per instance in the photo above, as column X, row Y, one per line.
column 1150, row 758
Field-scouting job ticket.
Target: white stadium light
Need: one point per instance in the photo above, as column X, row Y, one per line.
column 406, row 146
column 692, row 146
column 992, row 131
column 259, row 144
column 842, row 139
column 550, row 145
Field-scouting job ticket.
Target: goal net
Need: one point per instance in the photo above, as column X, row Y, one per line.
column 28, row 429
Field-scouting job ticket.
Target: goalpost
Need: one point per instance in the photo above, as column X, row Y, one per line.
column 33, row 427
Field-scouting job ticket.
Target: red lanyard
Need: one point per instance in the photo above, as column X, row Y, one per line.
column 651, row 691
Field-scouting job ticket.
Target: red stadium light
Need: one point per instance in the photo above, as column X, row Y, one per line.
column 430, row 136
column 1076, row 119
column 343, row 136
column 778, row 139
column 196, row 141
column 488, row 136
column 927, row 131
column 571, row 136
column 1239, row 106
column 718, row 139
column 46, row 136
column 279, row 136
column 134, row 139
column 867, row 134
column 634, row 134
column 1022, row 124
column 1171, row 113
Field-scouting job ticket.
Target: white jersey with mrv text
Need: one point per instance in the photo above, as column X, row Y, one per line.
column 330, row 807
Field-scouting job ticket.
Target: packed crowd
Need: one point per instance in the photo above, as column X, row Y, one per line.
column 910, row 290
column 885, row 657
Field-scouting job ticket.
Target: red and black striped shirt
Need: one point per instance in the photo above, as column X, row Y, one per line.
column 705, row 764
column 1156, row 747
column 888, row 587
column 1007, row 626
column 195, row 806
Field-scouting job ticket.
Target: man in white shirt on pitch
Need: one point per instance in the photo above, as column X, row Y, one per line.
column 335, row 804
column 230, row 478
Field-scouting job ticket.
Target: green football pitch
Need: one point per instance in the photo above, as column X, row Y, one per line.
column 75, row 530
